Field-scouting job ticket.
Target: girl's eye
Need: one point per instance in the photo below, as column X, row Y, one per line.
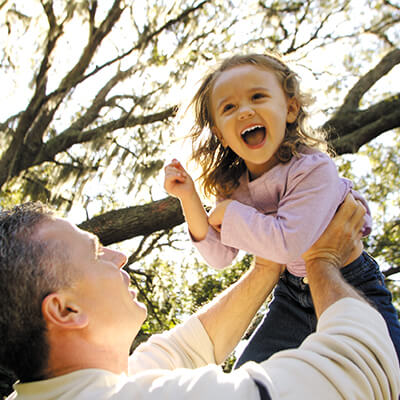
column 258, row 96
column 227, row 107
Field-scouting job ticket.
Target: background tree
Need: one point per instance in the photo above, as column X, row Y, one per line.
column 91, row 88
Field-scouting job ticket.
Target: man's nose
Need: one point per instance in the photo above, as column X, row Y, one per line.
column 245, row 112
column 116, row 257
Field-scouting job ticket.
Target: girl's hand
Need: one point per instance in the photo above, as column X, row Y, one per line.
column 177, row 182
column 217, row 215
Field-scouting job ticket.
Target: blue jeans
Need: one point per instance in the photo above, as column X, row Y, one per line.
column 291, row 315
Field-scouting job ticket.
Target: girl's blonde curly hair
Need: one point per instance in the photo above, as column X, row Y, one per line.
column 221, row 167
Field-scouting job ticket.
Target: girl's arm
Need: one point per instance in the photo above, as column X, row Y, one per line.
column 178, row 183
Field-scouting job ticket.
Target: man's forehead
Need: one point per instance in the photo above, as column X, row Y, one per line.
column 59, row 228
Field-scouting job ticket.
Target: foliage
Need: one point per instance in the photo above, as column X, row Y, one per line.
column 173, row 292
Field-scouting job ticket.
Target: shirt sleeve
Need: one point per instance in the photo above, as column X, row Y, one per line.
column 208, row 382
column 351, row 356
column 312, row 195
column 185, row 346
column 215, row 253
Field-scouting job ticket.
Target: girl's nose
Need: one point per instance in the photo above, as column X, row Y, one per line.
column 245, row 112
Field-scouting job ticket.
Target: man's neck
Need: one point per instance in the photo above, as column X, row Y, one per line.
column 73, row 355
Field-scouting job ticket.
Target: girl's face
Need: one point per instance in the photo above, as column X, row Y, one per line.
column 250, row 111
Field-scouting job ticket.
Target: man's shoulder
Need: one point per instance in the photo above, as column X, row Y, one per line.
column 12, row 396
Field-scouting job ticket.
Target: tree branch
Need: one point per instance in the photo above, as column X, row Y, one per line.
column 98, row 103
column 344, row 124
column 40, row 112
column 144, row 40
column 92, row 14
column 352, row 100
column 391, row 271
column 51, row 102
column 352, row 142
column 139, row 253
column 71, row 136
column 118, row 225
column 4, row 126
column 32, row 111
column 395, row 6
column 73, row 77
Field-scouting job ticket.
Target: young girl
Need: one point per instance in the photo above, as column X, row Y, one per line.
column 276, row 193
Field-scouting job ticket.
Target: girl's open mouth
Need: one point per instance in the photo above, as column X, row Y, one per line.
column 254, row 136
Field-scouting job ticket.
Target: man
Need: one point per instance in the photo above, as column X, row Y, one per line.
column 67, row 319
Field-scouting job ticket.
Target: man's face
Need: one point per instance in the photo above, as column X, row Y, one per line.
column 101, row 288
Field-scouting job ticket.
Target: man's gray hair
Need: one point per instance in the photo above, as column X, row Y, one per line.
column 30, row 269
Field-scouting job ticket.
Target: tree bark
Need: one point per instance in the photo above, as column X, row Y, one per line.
column 118, row 225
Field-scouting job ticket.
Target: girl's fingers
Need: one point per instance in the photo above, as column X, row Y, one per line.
column 175, row 163
column 172, row 176
column 175, row 178
column 171, row 170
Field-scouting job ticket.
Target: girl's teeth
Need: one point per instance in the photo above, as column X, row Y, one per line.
column 254, row 136
column 250, row 129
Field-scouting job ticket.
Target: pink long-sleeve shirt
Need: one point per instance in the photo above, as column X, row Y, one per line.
column 279, row 215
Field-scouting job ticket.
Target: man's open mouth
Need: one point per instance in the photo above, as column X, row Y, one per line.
column 254, row 135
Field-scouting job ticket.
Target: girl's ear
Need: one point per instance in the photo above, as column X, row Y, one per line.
column 293, row 107
column 60, row 311
column 218, row 134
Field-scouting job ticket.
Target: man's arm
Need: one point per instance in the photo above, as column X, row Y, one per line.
column 325, row 258
column 351, row 355
column 227, row 317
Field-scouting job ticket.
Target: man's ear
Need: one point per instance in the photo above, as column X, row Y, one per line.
column 218, row 134
column 293, row 107
column 62, row 312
